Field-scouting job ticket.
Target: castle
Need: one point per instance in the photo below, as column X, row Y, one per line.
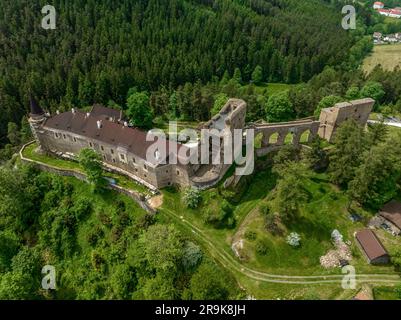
column 124, row 148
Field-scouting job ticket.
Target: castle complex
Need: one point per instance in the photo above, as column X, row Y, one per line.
column 124, row 148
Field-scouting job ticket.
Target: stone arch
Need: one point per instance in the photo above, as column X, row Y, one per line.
column 306, row 136
column 289, row 138
column 259, row 137
column 273, row 139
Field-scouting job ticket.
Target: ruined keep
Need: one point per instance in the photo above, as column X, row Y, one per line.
column 332, row 118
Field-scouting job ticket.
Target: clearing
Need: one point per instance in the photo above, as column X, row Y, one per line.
column 388, row 56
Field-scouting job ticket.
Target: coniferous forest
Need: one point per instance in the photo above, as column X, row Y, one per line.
column 100, row 49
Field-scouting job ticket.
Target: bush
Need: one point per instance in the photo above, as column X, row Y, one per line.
column 273, row 224
column 192, row 198
column 250, row 235
column 264, row 209
column 261, row 248
column 294, row 239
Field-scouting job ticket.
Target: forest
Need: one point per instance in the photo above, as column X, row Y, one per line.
column 100, row 49
column 102, row 245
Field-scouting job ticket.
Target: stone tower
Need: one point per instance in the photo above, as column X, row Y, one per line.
column 36, row 119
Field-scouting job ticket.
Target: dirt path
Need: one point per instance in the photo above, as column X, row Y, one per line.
column 228, row 261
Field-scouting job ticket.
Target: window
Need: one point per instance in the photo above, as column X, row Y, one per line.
column 136, row 169
column 64, row 137
column 112, row 151
column 104, row 157
column 90, row 144
column 56, row 134
column 133, row 160
column 178, row 173
column 122, row 157
column 114, row 160
column 102, row 148
column 145, row 167
column 75, row 139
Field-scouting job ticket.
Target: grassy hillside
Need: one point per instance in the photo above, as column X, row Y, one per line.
column 388, row 56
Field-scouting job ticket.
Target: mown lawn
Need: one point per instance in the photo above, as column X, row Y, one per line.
column 123, row 181
column 385, row 293
column 388, row 56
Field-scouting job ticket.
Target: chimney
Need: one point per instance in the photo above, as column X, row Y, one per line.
column 99, row 124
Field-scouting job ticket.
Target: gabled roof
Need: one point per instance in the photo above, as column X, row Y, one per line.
column 106, row 113
column 86, row 125
column 392, row 212
column 370, row 244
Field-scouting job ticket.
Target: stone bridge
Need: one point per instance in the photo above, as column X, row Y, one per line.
column 274, row 135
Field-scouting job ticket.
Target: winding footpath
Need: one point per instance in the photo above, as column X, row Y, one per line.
column 229, row 262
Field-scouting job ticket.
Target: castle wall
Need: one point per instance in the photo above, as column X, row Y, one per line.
column 57, row 142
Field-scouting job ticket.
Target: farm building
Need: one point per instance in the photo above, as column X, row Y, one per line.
column 391, row 213
column 371, row 247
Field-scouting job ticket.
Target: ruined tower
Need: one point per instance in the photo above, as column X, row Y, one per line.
column 332, row 118
column 36, row 118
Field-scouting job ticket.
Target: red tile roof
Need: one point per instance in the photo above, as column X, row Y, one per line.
column 85, row 124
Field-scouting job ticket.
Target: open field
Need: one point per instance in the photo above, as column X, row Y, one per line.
column 388, row 56
column 269, row 88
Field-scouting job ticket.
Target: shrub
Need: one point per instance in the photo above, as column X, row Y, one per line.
column 273, row 224
column 192, row 198
column 261, row 248
column 250, row 235
column 264, row 209
column 294, row 239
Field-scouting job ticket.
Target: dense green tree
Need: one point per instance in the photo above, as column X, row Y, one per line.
column 327, row 102
column 290, row 194
column 138, row 110
column 376, row 179
column 219, row 101
column 13, row 134
column 279, row 108
column 257, row 75
column 350, row 142
column 208, row 284
column 352, row 93
column 91, row 163
column 373, row 90
column 17, row 286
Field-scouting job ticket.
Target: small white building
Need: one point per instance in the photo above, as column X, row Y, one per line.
column 378, row 5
